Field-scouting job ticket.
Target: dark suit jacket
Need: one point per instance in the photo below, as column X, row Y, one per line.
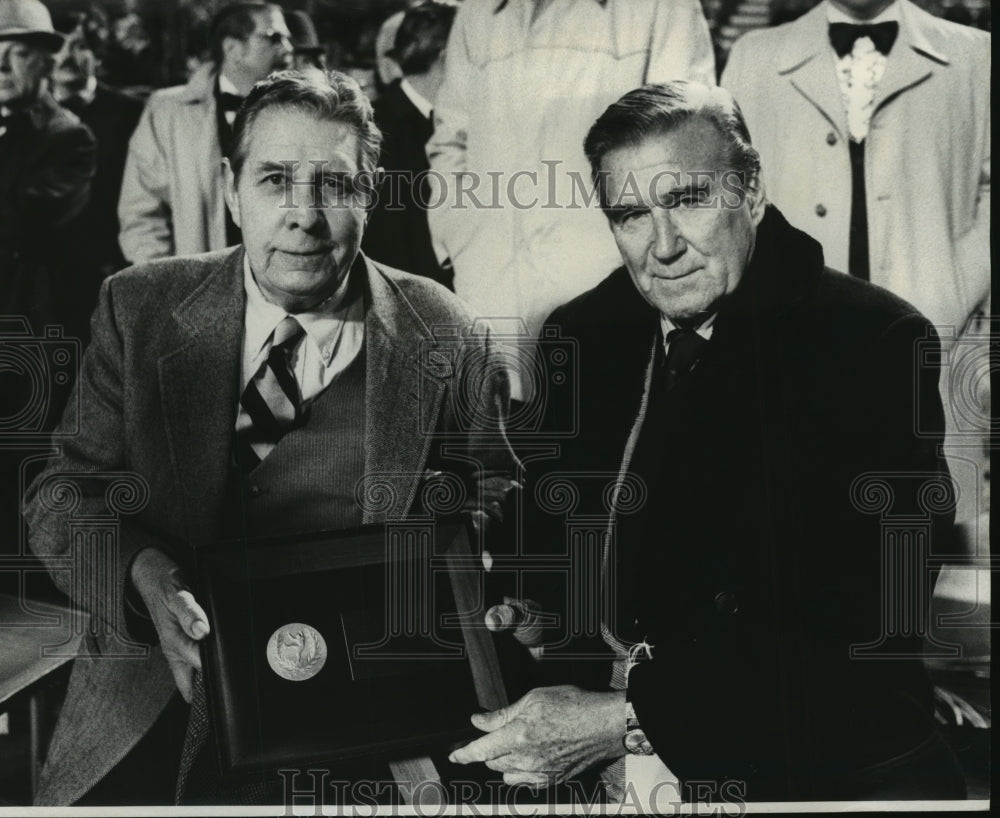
column 112, row 117
column 748, row 548
column 397, row 232
column 47, row 161
column 158, row 396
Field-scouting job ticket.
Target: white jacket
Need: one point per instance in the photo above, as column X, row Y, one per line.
column 518, row 99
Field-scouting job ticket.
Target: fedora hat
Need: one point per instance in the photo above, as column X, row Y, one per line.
column 30, row 22
column 304, row 37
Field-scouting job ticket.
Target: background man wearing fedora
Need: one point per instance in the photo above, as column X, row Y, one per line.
column 46, row 163
column 307, row 50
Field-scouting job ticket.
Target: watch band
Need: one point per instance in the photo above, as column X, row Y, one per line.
column 634, row 741
column 631, row 719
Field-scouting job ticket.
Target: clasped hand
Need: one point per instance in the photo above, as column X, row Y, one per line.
column 549, row 735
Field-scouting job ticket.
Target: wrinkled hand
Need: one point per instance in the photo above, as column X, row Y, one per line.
column 179, row 620
column 549, row 735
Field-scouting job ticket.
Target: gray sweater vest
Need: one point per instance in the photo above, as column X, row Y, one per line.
column 307, row 481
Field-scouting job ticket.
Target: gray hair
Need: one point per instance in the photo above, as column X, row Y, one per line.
column 657, row 109
column 328, row 95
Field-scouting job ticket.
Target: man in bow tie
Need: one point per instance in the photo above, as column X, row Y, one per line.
column 172, row 193
column 257, row 390
column 872, row 119
column 744, row 415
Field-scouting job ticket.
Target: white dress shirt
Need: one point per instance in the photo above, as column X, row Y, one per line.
column 227, row 87
column 860, row 72
column 333, row 337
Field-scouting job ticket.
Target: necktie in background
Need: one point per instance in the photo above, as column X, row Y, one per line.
column 844, row 35
column 271, row 400
column 861, row 52
column 230, row 102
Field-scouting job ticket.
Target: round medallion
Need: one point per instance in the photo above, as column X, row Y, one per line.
column 296, row 652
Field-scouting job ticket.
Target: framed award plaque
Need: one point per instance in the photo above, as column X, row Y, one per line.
column 367, row 642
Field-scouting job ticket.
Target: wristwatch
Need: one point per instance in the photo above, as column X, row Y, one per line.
column 634, row 741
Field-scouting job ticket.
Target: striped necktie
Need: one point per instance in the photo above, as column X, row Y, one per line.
column 271, row 400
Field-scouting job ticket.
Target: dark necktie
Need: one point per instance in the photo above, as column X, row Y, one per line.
column 684, row 346
column 843, row 35
column 271, row 399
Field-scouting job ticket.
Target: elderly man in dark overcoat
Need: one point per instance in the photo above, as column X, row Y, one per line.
column 758, row 440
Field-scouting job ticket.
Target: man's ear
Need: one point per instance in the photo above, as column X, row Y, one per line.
column 232, row 200
column 756, row 198
column 231, row 47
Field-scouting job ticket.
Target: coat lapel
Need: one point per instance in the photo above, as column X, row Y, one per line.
column 199, row 388
column 403, row 398
column 811, row 68
column 911, row 60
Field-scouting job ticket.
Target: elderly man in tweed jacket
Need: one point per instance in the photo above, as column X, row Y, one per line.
column 258, row 389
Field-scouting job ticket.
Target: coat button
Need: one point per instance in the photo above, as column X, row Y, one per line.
column 255, row 491
column 726, row 602
column 820, row 210
column 831, row 138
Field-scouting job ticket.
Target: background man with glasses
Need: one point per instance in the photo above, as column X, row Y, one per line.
column 172, row 194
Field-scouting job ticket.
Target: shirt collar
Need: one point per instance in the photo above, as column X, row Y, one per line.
column 419, row 101
column 89, row 91
column 704, row 329
column 322, row 324
column 226, row 86
column 835, row 15
column 500, row 5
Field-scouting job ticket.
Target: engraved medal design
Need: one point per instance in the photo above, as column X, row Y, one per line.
column 296, row 652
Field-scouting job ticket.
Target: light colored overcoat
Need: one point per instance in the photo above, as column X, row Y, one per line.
column 927, row 154
column 172, row 199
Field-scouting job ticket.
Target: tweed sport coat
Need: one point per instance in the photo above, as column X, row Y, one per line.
column 158, row 397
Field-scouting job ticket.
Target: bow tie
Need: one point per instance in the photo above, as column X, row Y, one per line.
column 843, row 35
column 229, row 102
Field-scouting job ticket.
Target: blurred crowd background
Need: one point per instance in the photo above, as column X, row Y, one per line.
column 147, row 44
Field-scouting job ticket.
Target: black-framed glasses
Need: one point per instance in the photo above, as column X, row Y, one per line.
column 273, row 36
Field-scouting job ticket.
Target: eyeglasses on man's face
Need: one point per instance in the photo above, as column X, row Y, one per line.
column 273, row 36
